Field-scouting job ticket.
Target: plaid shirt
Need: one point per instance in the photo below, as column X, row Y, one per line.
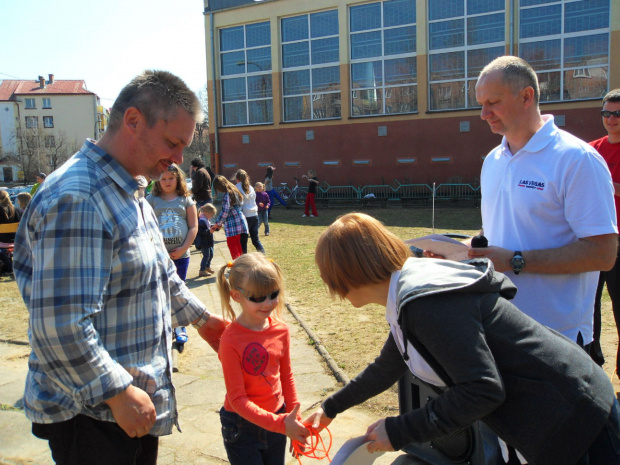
column 102, row 294
column 232, row 218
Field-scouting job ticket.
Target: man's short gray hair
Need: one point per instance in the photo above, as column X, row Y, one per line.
column 516, row 74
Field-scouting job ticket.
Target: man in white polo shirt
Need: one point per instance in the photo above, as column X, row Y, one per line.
column 547, row 204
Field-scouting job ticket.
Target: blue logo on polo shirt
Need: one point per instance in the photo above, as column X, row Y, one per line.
column 532, row 184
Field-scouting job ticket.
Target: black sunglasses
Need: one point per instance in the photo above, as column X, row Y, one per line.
column 607, row 113
column 259, row 300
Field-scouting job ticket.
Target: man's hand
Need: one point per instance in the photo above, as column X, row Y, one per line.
column 499, row 256
column 212, row 330
column 294, row 428
column 378, row 438
column 133, row 411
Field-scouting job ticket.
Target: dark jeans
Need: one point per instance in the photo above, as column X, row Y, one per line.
column 84, row 440
column 249, row 444
column 606, row 447
column 612, row 279
column 263, row 218
column 253, row 234
column 274, row 195
column 207, row 256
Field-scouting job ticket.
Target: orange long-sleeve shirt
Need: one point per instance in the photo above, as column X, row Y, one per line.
column 258, row 373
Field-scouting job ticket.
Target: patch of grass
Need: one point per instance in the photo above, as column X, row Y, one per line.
column 13, row 313
column 9, row 408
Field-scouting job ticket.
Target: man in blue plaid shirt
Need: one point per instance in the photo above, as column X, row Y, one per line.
column 101, row 290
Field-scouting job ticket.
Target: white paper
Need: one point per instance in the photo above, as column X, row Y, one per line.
column 355, row 452
column 447, row 247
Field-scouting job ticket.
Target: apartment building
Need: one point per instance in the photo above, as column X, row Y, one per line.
column 43, row 122
column 368, row 92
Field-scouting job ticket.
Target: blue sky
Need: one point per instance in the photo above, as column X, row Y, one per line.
column 105, row 42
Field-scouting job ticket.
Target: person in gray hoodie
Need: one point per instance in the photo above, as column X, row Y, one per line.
column 453, row 326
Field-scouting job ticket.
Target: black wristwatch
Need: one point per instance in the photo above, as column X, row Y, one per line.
column 517, row 262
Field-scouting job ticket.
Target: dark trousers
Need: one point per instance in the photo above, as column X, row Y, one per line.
column 606, row 447
column 612, row 279
column 253, row 234
column 84, row 440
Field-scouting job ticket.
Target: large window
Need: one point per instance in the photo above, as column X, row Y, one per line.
column 32, row 122
column 245, row 68
column 463, row 36
column 383, row 58
column 567, row 43
column 47, row 103
column 30, row 103
column 48, row 121
column 310, row 66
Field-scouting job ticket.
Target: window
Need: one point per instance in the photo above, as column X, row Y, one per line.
column 47, row 103
column 383, row 58
column 567, row 43
column 245, row 68
column 310, row 66
column 50, row 142
column 463, row 36
column 32, row 142
column 48, row 121
column 30, row 103
column 32, row 122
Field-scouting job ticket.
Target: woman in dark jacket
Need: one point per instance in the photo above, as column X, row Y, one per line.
column 452, row 325
column 8, row 214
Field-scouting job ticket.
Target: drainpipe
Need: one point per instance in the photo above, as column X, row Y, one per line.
column 512, row 27
column 216, row 155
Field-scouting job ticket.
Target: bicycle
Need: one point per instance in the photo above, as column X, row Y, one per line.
column 297, row 194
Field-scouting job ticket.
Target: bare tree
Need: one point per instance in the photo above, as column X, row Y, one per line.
column 201, row 145
column 40, row 149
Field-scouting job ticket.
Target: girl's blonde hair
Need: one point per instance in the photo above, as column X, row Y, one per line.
column 221, row 184
column 312, row 173
column 182, row 189
column 244, row 179
column 5, row 202
column 259, row 185
column 23, row 199
column 357, row 250
column 255, row 275
column 208, row 208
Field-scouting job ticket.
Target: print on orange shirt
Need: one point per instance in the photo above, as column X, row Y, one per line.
column 255, row 359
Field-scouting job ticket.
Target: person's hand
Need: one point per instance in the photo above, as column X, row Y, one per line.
column 377, row 437
column 294, row 428
column 318, row 420
column 499, row 256
column 133, row 411
column 212, row 330
column 177, row 253
column 261, row 204
column 429, row 254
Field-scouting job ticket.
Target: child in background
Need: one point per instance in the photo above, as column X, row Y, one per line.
column 263, row 202
column 261, row 408
column 23, row 199
column 273, row 194
column 207, row 212
column 313, row 182
column 250, row 211
column 178, row 222
column 231, row 216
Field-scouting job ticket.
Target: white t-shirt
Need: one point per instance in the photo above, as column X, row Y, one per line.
column 552, row 192
column 249, row 206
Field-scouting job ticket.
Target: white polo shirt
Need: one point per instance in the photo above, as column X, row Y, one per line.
column 553, row 191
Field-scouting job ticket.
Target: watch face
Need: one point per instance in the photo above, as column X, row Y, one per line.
column 517, row 263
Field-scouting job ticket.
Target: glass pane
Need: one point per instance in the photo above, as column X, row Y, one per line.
column 296, row 54
column 447, row 66
column 447, row 34
column 586, row 15
column 471, row 94
column 365, row 17
column 443, row 9
column 325, row 51
column 295, row 28
column 447, row 95
column 297, row 82
column 367, row 102
column 260, row 86
column 324, row 24
column 258, row 34
column 398, row 13
column 326, row 106
column 231, row 38
column 536, row 22
column 367, row 74
column 549, row 84
column 542, row 55
column 401, row 99
column 261, row 111
column 234, row 113
column 233, row 89
column 324, row 79
column 586, row 50
column 536, row 2
column 586, row 83
column 400, row 71
column 259, row 59
column 296, row 108
column 479, row 58
column 233, row 63
column 400, row 40
column 475, row 7
column 366, row 45
column 485, row 29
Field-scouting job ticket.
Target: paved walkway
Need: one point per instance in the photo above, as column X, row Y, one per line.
column 200, row 392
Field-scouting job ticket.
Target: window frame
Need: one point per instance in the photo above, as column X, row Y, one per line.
column 30, row 119
column 30, row 103
column 48, row 101
column 45, row 122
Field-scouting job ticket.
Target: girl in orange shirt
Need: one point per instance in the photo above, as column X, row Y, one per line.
column 261, row 408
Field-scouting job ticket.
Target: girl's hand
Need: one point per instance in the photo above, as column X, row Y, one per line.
column 177, row 253
column 261, row 204
column 318, row 420
column 294, row 428
column 378, row 439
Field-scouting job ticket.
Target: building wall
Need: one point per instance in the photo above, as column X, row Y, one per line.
column 7, row 127
column 425, row 136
